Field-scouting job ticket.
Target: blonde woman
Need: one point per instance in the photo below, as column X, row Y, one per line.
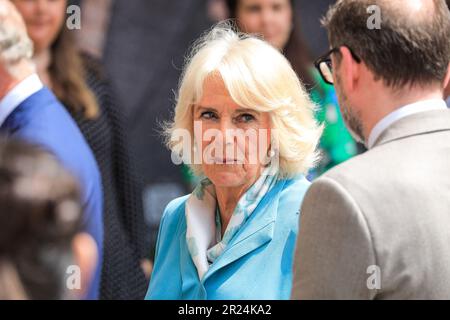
column 245, row 125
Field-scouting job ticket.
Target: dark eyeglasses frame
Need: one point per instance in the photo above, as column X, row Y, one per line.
column 327, row 59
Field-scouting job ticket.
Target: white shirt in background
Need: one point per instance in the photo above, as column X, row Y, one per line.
column 19, row 94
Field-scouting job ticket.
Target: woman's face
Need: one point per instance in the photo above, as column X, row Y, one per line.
column 233, row 139
column 271, row 18
column 44, row 20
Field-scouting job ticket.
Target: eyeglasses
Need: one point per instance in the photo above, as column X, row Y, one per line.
column 325, row 66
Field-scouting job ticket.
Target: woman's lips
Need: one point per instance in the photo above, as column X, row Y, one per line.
column 39, row 24
column 226, row 161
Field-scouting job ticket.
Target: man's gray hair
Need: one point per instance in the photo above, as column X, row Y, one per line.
column 15, row 45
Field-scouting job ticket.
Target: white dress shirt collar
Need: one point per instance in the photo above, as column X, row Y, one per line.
column 410, row 109
column 19, row 94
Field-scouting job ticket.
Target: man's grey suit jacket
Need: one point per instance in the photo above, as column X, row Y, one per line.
column 378, row 226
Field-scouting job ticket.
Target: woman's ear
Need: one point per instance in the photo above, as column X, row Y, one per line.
column 86, row 256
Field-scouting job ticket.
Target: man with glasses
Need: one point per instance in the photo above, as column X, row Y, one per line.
column 377, row 226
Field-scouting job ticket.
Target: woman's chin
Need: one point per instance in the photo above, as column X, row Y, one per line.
column 226, row 179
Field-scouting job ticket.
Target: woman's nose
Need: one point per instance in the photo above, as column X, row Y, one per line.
column 41, row 6
column 267, row 18
column 228, row 131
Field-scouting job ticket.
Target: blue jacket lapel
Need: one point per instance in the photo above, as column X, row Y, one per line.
column 189, row 275
column 256, row 232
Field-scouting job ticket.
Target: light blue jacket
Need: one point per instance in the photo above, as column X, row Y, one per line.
column 257, row 263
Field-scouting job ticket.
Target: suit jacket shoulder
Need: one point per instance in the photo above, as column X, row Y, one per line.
column 388, row 209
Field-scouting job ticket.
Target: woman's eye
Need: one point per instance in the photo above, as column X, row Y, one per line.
column 253, row 8
column 277, row 7
column 208, row 115
column 246, row 118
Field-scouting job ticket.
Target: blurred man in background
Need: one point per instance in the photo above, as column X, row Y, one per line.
column 43, row 254
column 31, row 112
column 78, row 81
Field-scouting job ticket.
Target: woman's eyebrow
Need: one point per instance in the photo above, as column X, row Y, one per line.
column 199, row 108
column 246, row 110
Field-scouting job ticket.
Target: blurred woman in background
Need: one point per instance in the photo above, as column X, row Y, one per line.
column 78, row 81
column 276, row 22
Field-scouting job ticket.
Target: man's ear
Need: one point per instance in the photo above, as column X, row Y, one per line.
column 350, row 69
column 86, row 256
column 447, row 83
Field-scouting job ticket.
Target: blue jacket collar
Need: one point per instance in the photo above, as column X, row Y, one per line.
column 256, row 232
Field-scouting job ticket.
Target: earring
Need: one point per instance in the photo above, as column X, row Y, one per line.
column 195, row 147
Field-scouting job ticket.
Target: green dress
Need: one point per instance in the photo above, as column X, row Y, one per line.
column 336, row 144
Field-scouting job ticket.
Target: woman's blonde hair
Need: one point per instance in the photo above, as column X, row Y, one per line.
column 257, row 76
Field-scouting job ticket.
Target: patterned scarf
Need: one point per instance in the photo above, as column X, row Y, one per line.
column 203, row 234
